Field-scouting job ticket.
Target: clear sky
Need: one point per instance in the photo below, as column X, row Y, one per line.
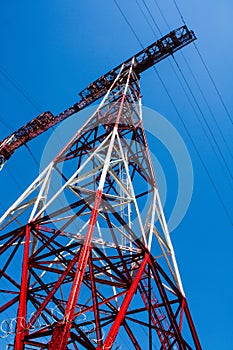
column 50, row 50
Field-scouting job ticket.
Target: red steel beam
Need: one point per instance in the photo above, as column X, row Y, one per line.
column 192, row 327
column 37, row 313
column 109, row 341
column 173, row 322
column 21, row 330
column 61, row 334
column 95, row 304
column 132, row 337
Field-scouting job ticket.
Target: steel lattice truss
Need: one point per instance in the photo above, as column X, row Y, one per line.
column 96, row 267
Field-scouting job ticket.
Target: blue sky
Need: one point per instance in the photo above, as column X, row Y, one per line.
column 53, row 49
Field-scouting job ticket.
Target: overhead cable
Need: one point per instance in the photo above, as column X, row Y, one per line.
column 182, row 121
column 204, row 119
column 197, row 104
column 207, row 104
column 13, row 82
column 214, row 84
column 206, row 68
column 195, row 80
column 177, row 7
column 155, row 23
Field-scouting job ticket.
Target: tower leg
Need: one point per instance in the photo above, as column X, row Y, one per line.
column 61, row 333
column 109, row 341
column 192, row 327
column 22, row 309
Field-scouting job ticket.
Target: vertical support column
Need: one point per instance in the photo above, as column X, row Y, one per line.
column 22, row 309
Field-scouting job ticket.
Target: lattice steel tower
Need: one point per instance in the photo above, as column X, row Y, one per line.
column 98, row 266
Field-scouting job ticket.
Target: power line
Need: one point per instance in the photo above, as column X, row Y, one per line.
column 204, row 119
column 196, row 102
column 223, row 158
column 127, row 21
column 13, row 82
column 14, row 178
column 183, row 123
column 155, row 23
column 20, row 89
column 32, row 155
column 195, row 147
column 146, row 19
column 196, row 81
column 161, row 13
column 207, row 69
column 207, row 103
column 177, row 7
column 29, row 99
column 9, row 127
column 214, row 84
column 3, row 122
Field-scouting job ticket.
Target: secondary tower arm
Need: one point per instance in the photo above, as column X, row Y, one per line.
column 146, row 58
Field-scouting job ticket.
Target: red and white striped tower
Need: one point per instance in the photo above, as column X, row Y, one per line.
column 98, row 267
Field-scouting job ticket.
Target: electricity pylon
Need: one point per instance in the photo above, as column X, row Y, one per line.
column 98, row 266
